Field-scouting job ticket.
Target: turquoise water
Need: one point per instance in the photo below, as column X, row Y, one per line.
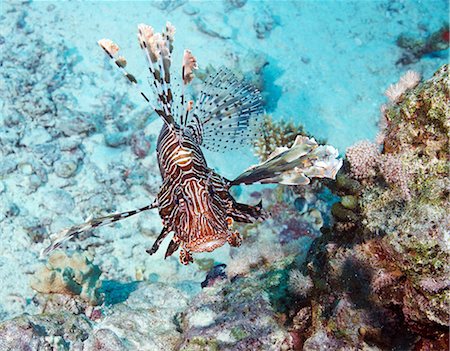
column 71, row 127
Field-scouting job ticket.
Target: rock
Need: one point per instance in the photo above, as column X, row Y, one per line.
column 70, row 143
column 301, row 205
column 190, row 10
column 234, row 4
column 75, row 124
column 146, row 318
column 8, row 165
column 35, row 136
column 25, row 168
column 140, row 316
column 263, row 22
column 214, row 319
column 213, row 26
column 115, row 139
column 48, row 153
column 74, row 275
column 119, row 186
column 9, row 139
column 8, row 209
column 140, row 144
column 217, row 273
column 34, row 228
column 349, row 201
column 168, row 5
column 13, row 119
column 33, row 183
column 59, row 201
column 60, row 331
column 66, row 167
column 105, row 340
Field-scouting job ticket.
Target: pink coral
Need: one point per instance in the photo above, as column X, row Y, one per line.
column 363, row 158
column 392, row 169
column 383, row 279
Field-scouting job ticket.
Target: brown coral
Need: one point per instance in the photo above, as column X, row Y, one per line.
column 276, row 134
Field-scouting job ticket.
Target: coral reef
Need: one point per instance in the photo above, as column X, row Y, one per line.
column 415, row 48
column 69, row 275
column 408, row 81
column 380, row 273
column 299, row 284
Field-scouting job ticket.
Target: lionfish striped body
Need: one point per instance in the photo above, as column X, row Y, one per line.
column 194, row 201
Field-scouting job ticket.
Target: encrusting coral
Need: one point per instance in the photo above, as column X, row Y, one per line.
column 74, row 275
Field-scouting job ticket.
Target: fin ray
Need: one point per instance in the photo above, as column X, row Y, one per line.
column 226, row 114
column 69, row 233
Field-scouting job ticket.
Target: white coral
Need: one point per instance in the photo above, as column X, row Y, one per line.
column 408, row 81
column 299, row 284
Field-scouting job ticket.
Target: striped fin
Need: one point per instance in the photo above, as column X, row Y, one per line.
column 187, row 75
column 158, row 241
column 173, row 246
column 295, row 165
column 112, row 49
column 157, row 48
column 189, row 65
column 226, row 115
column 67, row 234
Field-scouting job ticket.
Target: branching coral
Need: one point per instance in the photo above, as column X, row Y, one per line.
column 276, row 134
column 74, row 275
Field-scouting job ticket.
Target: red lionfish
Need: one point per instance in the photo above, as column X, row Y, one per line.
column 194, row 202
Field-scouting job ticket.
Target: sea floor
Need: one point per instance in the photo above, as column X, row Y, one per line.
column 324, row 64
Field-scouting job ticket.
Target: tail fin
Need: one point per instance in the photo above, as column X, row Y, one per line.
column 295, row 165
column 67, row 234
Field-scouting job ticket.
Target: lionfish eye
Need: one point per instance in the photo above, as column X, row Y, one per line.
column 177, row 201
column 211, row 190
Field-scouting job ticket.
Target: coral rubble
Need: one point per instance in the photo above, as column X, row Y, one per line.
column 136, row 316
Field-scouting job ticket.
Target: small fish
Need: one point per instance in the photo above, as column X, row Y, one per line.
column 194, row 202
